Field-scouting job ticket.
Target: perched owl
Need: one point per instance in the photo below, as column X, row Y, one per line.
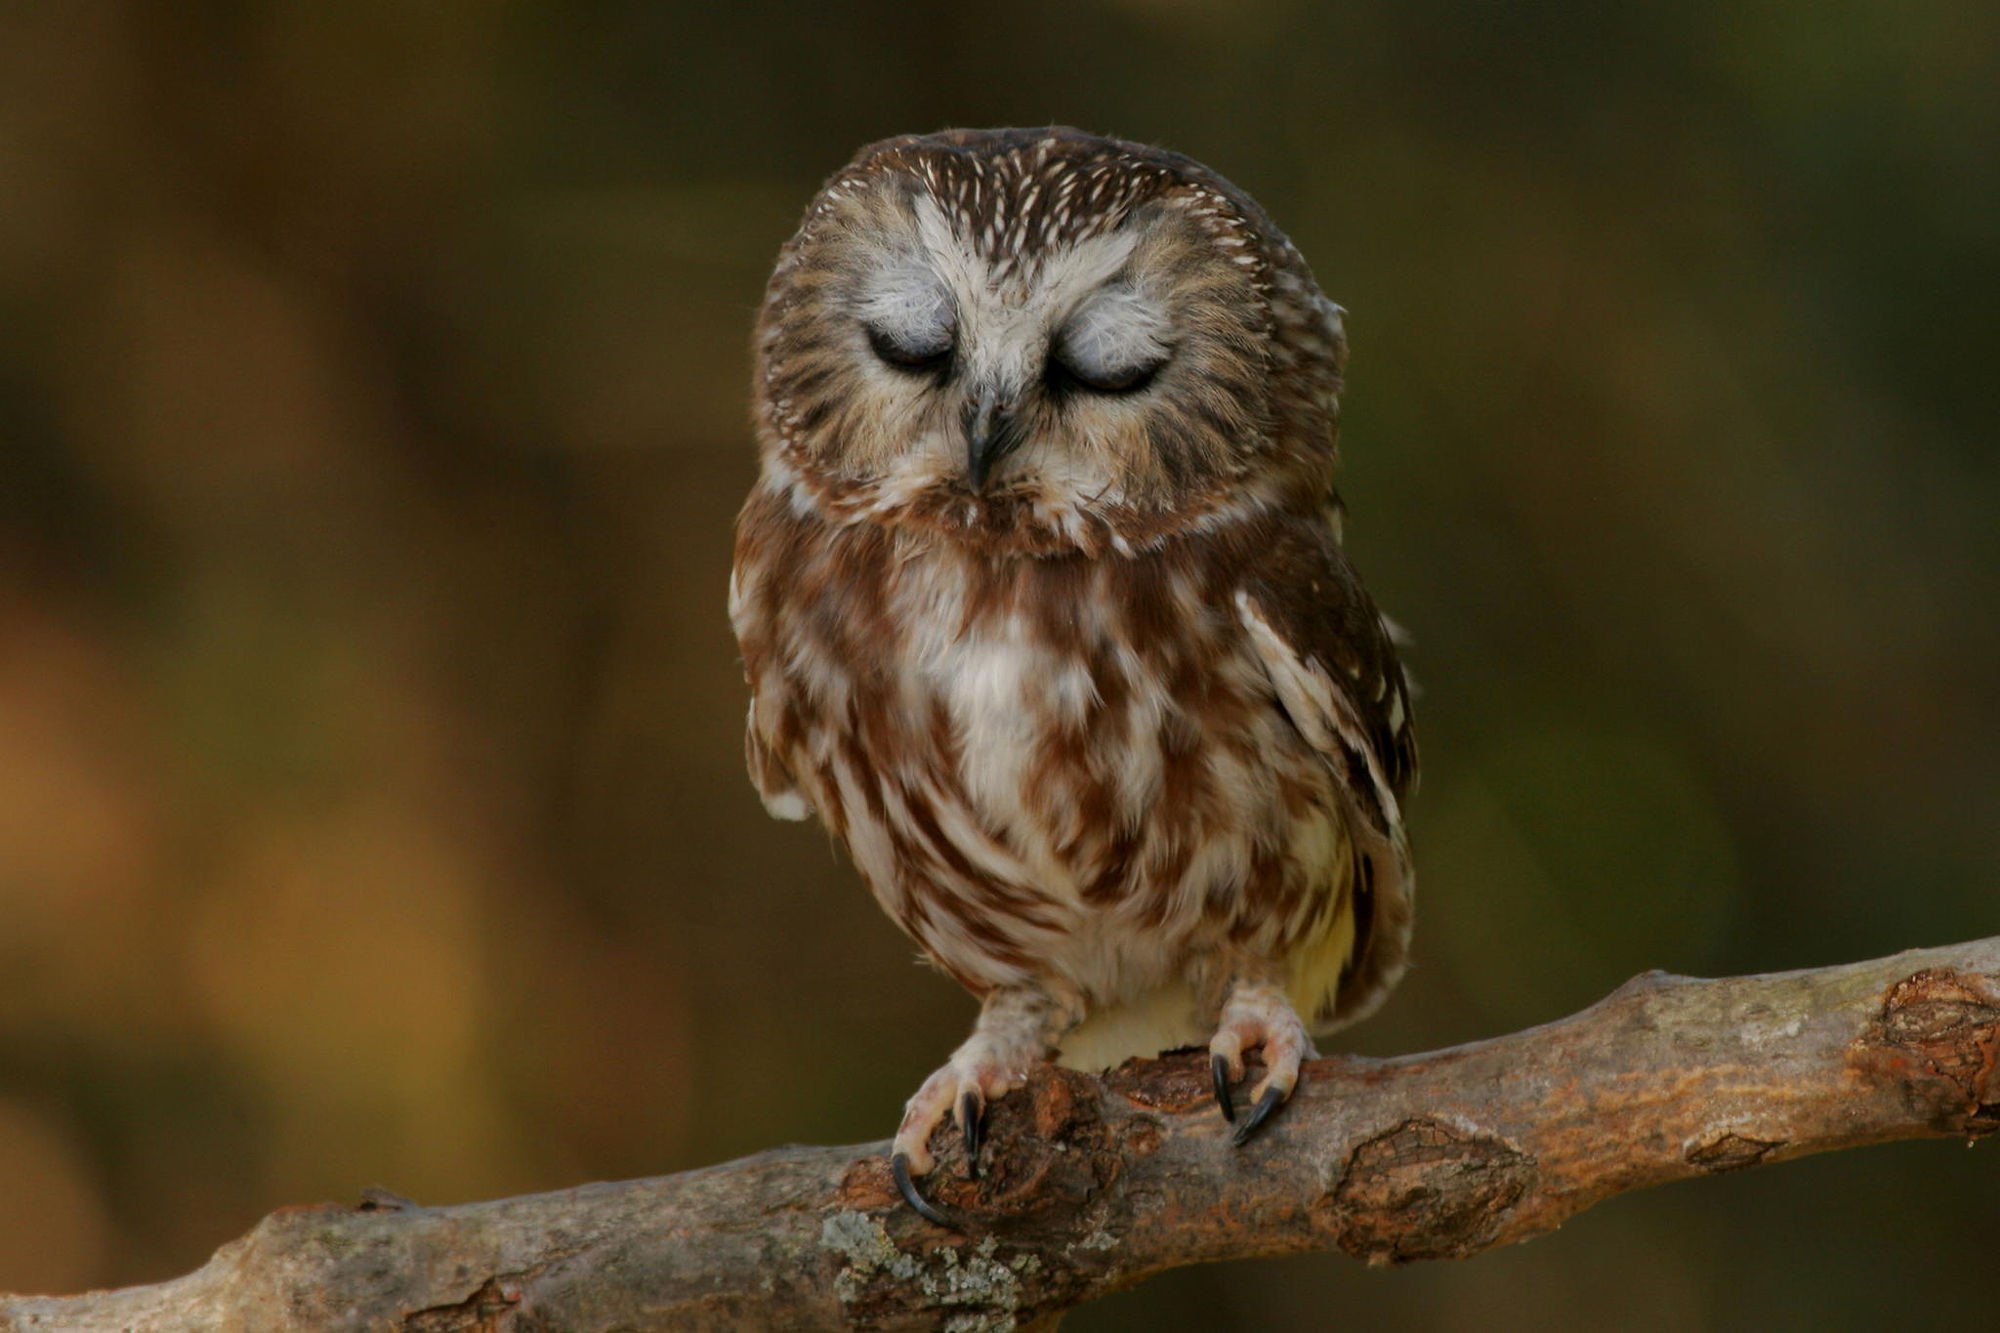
column 1044, row 611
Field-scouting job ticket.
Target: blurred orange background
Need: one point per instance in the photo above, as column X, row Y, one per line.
column 372, row 423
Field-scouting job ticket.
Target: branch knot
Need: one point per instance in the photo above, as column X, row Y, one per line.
column 1428, row 1190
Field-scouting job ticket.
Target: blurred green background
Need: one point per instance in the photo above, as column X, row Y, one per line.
column 372, row 424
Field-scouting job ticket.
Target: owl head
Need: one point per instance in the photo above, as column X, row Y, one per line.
column 1046, row 340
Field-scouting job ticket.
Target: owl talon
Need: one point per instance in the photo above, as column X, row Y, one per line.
column 972, row 1120
column 1273, row 1098
column 1257, row 1016
column 1218, row 1071
column 899, row 1167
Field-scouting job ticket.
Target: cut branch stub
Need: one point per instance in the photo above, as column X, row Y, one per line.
column 1938, row 1038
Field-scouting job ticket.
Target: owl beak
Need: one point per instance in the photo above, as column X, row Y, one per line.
column 991, row 433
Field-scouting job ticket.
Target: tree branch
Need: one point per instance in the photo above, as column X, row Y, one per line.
column 1094, row 1184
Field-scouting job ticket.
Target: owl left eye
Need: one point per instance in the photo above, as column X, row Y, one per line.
column 1066, row 369
column 1115, row 344
column 906, row 353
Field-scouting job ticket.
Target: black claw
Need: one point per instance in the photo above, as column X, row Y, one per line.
column 1272, row 1099
column 971, row 1119
column 899, row 1167
column 1218, row 1070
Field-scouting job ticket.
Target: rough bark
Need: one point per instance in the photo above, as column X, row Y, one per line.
column 1092, row 1184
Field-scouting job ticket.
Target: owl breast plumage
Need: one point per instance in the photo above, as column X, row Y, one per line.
column 1041, row 596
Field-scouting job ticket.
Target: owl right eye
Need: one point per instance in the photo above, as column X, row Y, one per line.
column 906, row 353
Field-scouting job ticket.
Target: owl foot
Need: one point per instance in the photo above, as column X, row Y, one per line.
column 1257, row 1015
column 978, row 1071
column 1015, row 1031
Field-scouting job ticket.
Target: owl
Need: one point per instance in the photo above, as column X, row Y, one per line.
column 1044, row 612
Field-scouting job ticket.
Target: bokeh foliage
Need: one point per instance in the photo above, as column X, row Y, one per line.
column 372, row 422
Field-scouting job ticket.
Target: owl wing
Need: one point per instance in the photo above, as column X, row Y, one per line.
column 1331, row 659
column 774, row 782
column 750, row 615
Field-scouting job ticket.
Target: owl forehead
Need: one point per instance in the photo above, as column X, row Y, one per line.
column 1014, row 227
column 1017, row 208
column 938, row 273
column 1008, row 237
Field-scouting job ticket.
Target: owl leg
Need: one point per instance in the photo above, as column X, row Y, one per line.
column 1257, row 1013
column 1017, row 1027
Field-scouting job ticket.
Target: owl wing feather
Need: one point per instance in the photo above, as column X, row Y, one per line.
column 775, row 783
column 1331, row 660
